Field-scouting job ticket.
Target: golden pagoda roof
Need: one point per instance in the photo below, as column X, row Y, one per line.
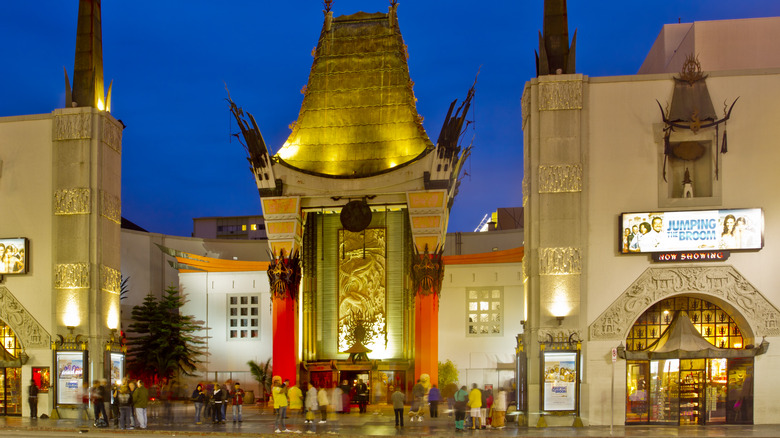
column 358, row 116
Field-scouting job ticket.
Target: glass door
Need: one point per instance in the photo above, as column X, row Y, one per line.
column 715, row 397
column 664, row 391
column 10, row 391
column 739, row 403
column 637, row 398
column 692, row 382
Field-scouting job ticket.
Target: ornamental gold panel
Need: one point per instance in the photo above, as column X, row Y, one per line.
column 71, row 276
column 560, row 261
column 566, row 178
column 560, row 95
column 72, row 201
column 110, row 280
column 112, row 134
column 73, row 126
column 110, row 207
column 362, row 290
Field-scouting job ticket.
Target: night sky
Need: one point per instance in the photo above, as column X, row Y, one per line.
column 170, row 60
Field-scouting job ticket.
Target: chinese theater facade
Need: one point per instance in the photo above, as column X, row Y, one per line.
column 356, row 204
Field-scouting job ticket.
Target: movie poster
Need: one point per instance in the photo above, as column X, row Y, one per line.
column 70, row 377
column 700, row 230
column 13, row 257
column 560, row 381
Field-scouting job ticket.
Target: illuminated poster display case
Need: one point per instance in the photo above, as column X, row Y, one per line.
column 559, row 374
column 71, row 375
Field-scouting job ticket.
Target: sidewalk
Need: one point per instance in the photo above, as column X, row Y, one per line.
column 378, row 422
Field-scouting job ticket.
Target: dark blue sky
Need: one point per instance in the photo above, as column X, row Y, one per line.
column 169, row 61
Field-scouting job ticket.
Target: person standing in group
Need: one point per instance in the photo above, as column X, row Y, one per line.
column 199, row 397
column 97, row 403
column 105, row 392
column 237, row 397
column 225, row 400
column 499, row 409
column 461, row 398
column 131, row 387
column 125, row 407
column 32, row 398
column 418, row 393
column 362, row 395
column 322, row 401
column 295, row 398
column 219, row 398
column 280, row 404
column 434, row 397
column 398, row 399
column 86, row 392
column 475, row 403
column 312, row 406
column 140, row 403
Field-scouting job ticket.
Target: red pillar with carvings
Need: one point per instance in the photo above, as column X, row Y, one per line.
column 427, row 275
column 284, row 276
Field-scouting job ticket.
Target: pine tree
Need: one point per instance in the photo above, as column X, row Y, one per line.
column 161, row 341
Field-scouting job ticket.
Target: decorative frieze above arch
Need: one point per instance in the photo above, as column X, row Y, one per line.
column 655, row 284
column 29, row 332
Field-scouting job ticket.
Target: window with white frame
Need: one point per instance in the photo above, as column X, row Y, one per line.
column 243, row 317
column 485, row 311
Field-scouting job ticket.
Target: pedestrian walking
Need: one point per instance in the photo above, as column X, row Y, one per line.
column 499, row 409
column 398, row 399
column 322, row 400
column 280, row 404
column 312, row 406
column 434, row 397
column 361, row 391
column 86, row 393
column 237, row 398
column 140, row 403
column 475, row 403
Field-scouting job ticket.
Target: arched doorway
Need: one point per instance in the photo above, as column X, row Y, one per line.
column 687, row 363
column 10, row 372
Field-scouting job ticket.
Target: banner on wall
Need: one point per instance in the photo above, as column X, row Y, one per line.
column 698, row 230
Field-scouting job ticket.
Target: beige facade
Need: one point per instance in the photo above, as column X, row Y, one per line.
column 60, row 185
column 594, row 149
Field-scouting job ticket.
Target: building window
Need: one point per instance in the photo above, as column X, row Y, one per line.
column 239, row 310
column 485, row 313
column 253, row 227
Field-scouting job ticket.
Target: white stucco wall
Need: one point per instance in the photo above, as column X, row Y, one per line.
column 478, row 357
column 26, row 201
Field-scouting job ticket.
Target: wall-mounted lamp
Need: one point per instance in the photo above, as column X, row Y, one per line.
column 560, row 319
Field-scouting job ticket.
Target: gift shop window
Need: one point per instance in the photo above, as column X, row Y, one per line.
column 243, row 317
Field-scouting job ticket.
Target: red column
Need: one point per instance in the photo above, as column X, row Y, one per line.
column 284, row 361
column 426, row 336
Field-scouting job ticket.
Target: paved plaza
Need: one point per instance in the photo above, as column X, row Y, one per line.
column 378, row 422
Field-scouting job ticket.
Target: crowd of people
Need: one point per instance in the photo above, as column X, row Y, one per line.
column 123, row 404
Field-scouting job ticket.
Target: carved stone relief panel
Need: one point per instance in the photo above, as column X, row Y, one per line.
column 565, row 178
column 560, row 95
column 110, row 280
column 30, row 333
column 71, row 276
column 655, row 284
column 72, row 201
column 560, row 261
column 112, row 134
column 72, row 126
column 525, row 189
column 110, row 207
column 525, row 105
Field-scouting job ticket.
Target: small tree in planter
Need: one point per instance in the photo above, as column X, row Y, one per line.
column 448, row 379
column 263, row 374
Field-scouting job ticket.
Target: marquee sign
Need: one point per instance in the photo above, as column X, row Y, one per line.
column 691, row 231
